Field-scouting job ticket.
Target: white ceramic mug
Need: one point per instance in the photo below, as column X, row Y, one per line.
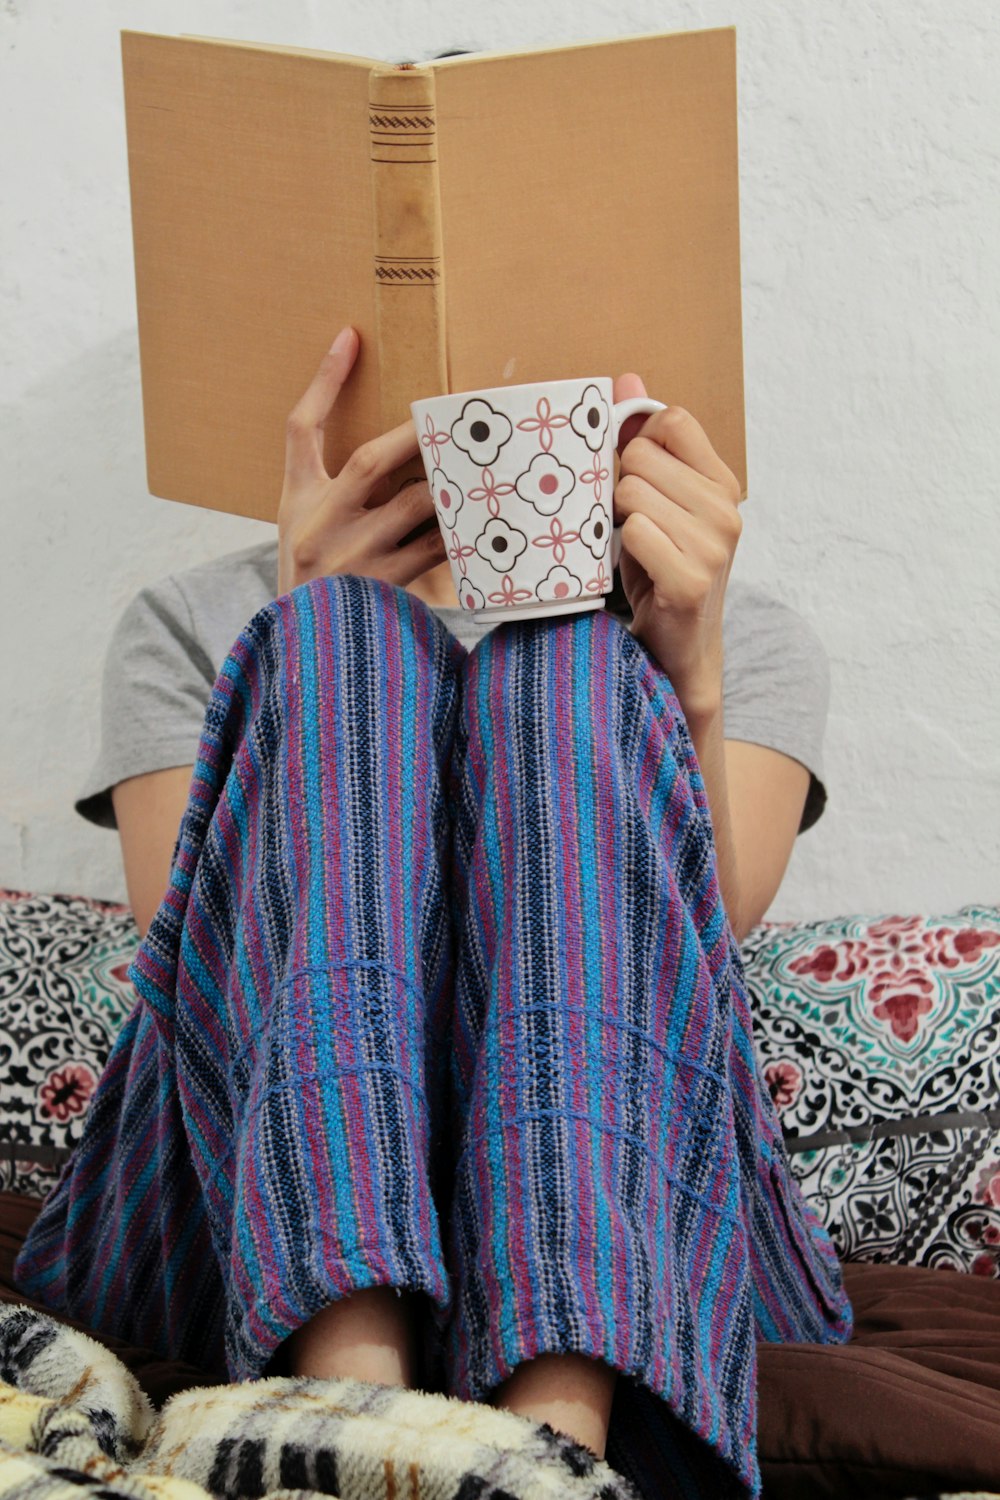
column 522, row 478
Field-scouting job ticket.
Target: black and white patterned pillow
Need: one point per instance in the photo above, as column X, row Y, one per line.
column 880, row 1041
column 63, row 999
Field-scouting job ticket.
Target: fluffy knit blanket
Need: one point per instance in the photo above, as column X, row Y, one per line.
column 75, row 1425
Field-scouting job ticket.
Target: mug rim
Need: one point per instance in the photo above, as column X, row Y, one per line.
column 529, row 385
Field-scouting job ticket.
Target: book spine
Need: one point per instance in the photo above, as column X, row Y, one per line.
column 408, row 265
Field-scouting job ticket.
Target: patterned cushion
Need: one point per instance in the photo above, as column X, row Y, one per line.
column 63, row 999
column 880, row 1041
column 879, row 1038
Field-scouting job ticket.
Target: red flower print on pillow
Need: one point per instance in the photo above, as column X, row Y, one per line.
column 987, row 1188
column 902, row 1007
column 67, row 1091
column 825, row 963
column 784, row 1081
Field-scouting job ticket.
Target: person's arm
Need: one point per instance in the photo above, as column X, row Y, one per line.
column 148, row 810
column 756, row 796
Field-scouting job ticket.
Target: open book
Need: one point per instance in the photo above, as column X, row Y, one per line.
column 482, row 220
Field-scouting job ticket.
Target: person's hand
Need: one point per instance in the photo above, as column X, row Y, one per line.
column 678, row 505
column 323, row 524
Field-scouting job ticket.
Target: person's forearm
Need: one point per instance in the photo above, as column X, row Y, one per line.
column 707, row 733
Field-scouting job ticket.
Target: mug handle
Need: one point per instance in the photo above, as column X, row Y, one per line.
column 620, row 412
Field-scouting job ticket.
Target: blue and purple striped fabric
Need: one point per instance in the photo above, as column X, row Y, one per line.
column 443, row 996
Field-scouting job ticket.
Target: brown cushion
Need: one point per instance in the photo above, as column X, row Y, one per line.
column 910, row 1406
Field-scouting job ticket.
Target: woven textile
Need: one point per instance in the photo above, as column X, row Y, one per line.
column 442, row 996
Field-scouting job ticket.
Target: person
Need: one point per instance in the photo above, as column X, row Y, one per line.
column 441, row 1069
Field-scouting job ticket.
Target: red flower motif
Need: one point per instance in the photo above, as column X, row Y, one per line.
column 984, row 1265
column 822, row 963
column 596, row 477
column 902, row 1011
column 556, row 538
column 784, row 1080
column 543, row 423
column 987, row 1189
column 508, row 593
column 970, row 946
column 896, row 946
column 433, row 439
column 458, row 553
column 827, row 963
column 492, row 490
column 602, row 583
column 67, row 1091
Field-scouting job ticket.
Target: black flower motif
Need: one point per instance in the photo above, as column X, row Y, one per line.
column 500, row 545
column 595, row 531
column 481, row 431
column 590, row 418
column 874, row 1214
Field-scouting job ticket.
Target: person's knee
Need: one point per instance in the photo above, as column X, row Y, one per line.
column 554, row 644
column 344, row 587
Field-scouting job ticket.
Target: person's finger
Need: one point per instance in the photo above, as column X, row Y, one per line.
column 675, row 578
column 671, row 476
column 406, row 516
column 681, row 434
column 369, row 466
column 676, row 522
column 305, row 426
column 626, row 387
column 402, row 564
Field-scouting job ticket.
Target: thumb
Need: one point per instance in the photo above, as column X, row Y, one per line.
column 627, row 387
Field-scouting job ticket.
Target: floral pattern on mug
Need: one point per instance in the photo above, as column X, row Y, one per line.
column 595, row 476
column 481, row 431
column 601, row 583
column 469, row 596
column 590, row 418
column 545, row 483
column 500, row 544
column 492, row 490
column 594, row 531
column 509, row 595
column 448, row 497
column 558, row 537
column 544, row 422
column 458, row 551
column 558, row 584
column 433, row 439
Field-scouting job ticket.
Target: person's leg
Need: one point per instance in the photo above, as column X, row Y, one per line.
column 616, row 1151
column 273, row 1155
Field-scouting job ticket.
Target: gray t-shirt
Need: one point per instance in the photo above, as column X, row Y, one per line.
column 172, row 640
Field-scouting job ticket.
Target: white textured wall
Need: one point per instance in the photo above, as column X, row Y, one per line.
column 870, row 161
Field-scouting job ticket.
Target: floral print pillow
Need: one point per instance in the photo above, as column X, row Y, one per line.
column 63, row 999
column 879, row 1039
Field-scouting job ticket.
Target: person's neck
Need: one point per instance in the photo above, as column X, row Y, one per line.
column 435, row 587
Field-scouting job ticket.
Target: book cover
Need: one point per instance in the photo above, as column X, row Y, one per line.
column 482, row 220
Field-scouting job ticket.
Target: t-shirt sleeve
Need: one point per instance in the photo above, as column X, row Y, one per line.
column 777, row 688
column 155, row 689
